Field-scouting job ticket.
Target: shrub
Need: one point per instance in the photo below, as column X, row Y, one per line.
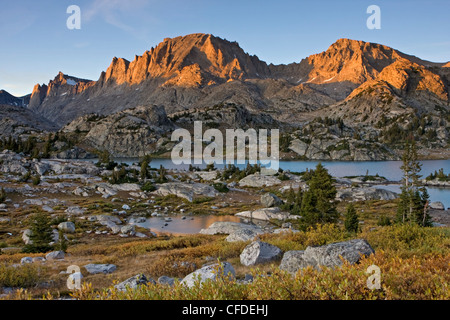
column 384, row 221
column 148, row 186
column 210, row 167
column 24, row 276
column 25, row 177
column 36, row 180
column 221, row 187
column 283, row 177
column 202, row 200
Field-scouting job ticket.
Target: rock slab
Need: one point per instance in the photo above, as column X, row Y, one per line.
column 331, row 255
column 260, row 252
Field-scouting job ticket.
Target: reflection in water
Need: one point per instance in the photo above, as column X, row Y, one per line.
column 191, row 225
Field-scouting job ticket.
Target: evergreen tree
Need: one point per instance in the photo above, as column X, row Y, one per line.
column 145, row 162
column 351, row 221
column 41, row 234
column 144, row 170
column 293, row 201
column 2, row 195
column 47, row 147
column 413, row 198
column 62, row 244
column 162, row 175
column 308, row 211
column 318, row 203
column 422, row 212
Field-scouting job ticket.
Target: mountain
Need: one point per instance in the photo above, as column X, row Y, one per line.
column 372, row 91
column 8, row 99
column 201, row 70
column 16, row 121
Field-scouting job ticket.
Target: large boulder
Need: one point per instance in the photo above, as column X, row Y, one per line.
column 437, row 205
column 331, row 255
column 258, row 180
column 365, row 193
column 100, row 268
column 128, row 229
column 26, row 237
column 55, row 255
column 103, row 219
column 166, row 280
column 243, row 235
column 67, row 227
column 133, row 282
column 26, row 260
column 270, row 200
column 266, row 214
column 293, row 261
column 225, row 227
column 75, row 211
column 211, row 272
column 186, row 190
column 259, row 252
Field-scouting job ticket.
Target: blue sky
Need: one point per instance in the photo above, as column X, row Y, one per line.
column 36, row 44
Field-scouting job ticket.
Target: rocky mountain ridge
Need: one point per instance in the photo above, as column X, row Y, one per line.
column 372, row 91
column 201, row 70
column 8, row 99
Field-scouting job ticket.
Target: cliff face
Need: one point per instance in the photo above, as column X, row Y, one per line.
column 190, row 61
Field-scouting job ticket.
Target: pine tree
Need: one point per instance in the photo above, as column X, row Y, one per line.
column 413, row 198
column 162, row 175
column 308, row 211
column 62, row 244
column 47, row 147
column 144, row 169
column 145, row 162
column 318, row 203
column 351, row 221
column 41, row 234
column 2, row 195
column 422, row 215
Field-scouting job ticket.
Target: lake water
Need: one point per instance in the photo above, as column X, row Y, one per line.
column 191, row 225
column 388, row 169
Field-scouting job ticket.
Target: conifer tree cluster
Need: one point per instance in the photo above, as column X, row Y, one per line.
column 317, row 204
column 413, row 206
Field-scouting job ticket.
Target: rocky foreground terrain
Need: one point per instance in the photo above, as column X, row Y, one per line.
column 93, row 214
column 355, row 101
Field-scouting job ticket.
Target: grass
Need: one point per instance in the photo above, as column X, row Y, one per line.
column 24, row 276
column 413, row 261
column 400, row 281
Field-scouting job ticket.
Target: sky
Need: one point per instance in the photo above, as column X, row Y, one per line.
column 35, row 43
